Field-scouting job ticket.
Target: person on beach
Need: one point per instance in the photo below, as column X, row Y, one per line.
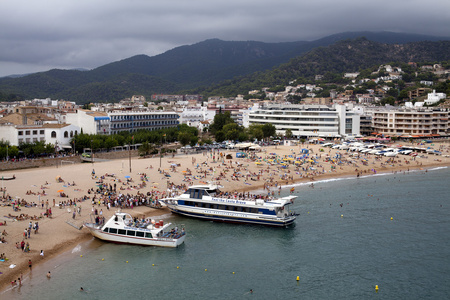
column 30, row 265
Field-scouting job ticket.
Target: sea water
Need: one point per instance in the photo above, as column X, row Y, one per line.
column 388, row 230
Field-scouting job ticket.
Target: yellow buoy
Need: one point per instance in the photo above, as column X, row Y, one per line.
column 178, row 267
column 206, row 270
column 127, row 261
column 103, row 259
column 81, row 255
column 233, row 272
column 298, row 278
column 392, row 218
column 153, row 264
column 376, row 288
column 342, row 216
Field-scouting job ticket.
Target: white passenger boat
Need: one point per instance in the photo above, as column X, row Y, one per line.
column 122, row 228
column 208, row 202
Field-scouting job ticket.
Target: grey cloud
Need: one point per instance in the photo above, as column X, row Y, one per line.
column 81, row 33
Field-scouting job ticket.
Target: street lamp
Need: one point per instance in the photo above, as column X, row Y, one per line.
column 92, row 154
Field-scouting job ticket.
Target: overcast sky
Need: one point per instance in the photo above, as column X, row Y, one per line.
column 37, row 35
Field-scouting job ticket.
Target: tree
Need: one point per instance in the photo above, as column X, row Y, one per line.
column 269, row 130
column 256, row 131
column 220, row 120
column 220, row 136
column 231, row 131
column 146, row 148
column 184, row 137
column 194, row 140
column 288, row 133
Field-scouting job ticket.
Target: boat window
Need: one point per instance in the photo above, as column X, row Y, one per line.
column 207, row 205
column 222, row 207
column 131, row 232
column 106, row 229
column 254, row 210
column 148, row 235
column 246, row 209
column 122, row 231
column 214, row 206
column 140, row 233
column 210, row 192
column 113, row 230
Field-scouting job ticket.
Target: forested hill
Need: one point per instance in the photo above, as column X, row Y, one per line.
column 344, row 56
column 199, row 67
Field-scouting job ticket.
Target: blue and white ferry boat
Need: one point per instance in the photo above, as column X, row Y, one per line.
column 209, row 203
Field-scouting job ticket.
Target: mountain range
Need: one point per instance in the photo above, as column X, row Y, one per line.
column 214, row 65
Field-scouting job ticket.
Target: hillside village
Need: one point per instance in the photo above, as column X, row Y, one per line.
column 384, row 103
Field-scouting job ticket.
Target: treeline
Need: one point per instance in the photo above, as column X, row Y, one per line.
column 149, row 140
column 225, row 128
column 333, row 61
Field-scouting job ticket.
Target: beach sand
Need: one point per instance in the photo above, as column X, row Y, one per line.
column 56, row 235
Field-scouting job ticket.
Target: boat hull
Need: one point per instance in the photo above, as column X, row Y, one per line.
column 233, row 218
column 120, row 239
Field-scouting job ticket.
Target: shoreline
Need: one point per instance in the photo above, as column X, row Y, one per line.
column 67, row 245
column 349, row 175
column 63, row 237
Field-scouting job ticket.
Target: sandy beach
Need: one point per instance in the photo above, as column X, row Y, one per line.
column 64, row 189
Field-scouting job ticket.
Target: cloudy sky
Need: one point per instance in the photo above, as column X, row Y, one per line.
column 37, row 35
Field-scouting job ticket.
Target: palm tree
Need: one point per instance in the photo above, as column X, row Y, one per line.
column 146, row 148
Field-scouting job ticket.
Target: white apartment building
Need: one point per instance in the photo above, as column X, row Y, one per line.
column 194, row 115
column 309, row 120
column 92, row 122
column 133, row 121
column 56, row 134
column 434, row 97
column 115, row 121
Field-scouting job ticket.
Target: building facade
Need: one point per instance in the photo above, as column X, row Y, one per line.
column 411, row 123
column 133, row 121
column 309, row 120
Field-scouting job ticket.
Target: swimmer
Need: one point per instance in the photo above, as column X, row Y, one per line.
column 81, row 289
column 49, row 274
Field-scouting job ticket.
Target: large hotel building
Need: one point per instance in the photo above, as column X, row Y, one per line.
column 309, row 120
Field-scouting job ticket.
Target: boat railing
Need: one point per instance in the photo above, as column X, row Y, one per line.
column 174, row 234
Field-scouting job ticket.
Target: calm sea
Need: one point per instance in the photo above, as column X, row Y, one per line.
column 344, row 243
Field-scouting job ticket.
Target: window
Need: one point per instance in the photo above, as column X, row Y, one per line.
column 35, row 132
column 112, row 230
column 140, row 233
column 122, row 231
column 20, row 132
column 27, row 132
column 131, row 232
column 66, row 134
column 148, row 235
column 41, row 131
column 53, row 134
column 106, row 229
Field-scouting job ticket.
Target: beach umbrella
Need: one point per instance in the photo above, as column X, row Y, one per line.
column 127, row 176
column 60, row 191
